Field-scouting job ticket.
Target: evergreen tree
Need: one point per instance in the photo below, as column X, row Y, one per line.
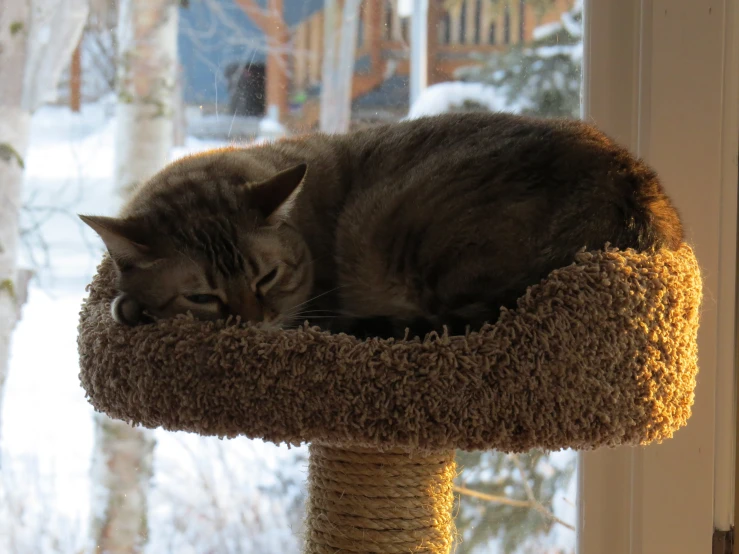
column 508, row 498
column 541, row 77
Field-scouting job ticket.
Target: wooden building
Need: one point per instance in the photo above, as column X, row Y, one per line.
column 290, row 48
column 456, row 37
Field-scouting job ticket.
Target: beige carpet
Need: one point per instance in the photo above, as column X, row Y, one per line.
column 602, row 352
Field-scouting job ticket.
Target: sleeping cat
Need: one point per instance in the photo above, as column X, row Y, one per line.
column 421, row 224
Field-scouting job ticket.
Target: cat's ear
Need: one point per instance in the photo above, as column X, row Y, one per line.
column 121, row 238
column 275, row 197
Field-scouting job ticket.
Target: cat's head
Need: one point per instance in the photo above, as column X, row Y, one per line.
column 201, row 240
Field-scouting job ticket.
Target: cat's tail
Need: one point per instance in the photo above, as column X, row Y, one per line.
column 657, row 220
column 653, row 220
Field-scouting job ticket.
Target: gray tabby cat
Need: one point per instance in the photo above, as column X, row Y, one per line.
column 420, row 224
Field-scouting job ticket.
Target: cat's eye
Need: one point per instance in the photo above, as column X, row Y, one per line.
column 202, row 298
column 267, row 279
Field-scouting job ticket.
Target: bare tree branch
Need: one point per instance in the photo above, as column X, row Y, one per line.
column 493, row 498
column 534, row 503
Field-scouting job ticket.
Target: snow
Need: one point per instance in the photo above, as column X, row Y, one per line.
column 268, row 125
column 270, row 128
column 571, row 25
column 567, row 22
column 442, row 97
column 543, row 31
column 573, row 51
column 405, row 8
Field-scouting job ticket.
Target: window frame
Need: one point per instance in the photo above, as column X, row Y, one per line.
column 662, row 76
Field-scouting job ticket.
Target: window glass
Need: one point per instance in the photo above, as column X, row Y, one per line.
column 248, row 71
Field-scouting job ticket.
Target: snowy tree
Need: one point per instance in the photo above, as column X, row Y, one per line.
column 242, row 496
column 121, row 471
column 14, row 127
column 542, row 77
column 37, row 38
column 508, row 499
column 337, row 69
column 122, row 460
column 100, row 50
column 147, row 72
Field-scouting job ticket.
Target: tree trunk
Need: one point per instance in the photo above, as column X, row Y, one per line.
column 147, row 37
column 122, row 461
column 339, row 52
column 328, row 68
column 278, row 38
column 32, row 55
column 56, row 27
column 179, row 124
column 14, row 129
column 121, row 470
column 75, row 80
column 345, row 70
column 419, row 50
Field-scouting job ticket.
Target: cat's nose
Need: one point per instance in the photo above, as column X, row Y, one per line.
column 247, row 306
column 269, row 315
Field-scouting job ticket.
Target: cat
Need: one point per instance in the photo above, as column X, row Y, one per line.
column 423, row 224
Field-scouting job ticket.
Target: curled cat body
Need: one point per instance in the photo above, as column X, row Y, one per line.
column 434, row 222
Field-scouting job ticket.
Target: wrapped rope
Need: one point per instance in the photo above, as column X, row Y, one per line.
column 366, row 501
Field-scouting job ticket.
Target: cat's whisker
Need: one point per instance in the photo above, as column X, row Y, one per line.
column 314, row 312
column 319, row 258
column 316, row 317
column 319, row 296
column 313, row 316
column 298, row 318
column 297, row 312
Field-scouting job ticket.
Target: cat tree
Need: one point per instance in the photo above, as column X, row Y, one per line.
column 600, row 353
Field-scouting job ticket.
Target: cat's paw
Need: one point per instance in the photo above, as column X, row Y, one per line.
column 127, row 311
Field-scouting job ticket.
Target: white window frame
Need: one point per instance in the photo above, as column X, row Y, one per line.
column 662, row 76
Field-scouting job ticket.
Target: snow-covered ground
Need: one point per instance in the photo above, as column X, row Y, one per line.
column 208, row 495
column 443, row 97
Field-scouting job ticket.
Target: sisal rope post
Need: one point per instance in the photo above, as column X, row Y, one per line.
column 392, row 502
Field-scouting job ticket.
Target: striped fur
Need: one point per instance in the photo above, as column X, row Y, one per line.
column 420, row 224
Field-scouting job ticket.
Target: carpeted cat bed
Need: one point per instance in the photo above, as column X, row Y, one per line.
column 601, row 353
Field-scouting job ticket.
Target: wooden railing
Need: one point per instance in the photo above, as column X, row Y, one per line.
column 470, row 26
column 467, row 26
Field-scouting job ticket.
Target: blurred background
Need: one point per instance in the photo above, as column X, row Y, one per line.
column 96, row 96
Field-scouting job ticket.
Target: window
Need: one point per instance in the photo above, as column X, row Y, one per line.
column 253, row 71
